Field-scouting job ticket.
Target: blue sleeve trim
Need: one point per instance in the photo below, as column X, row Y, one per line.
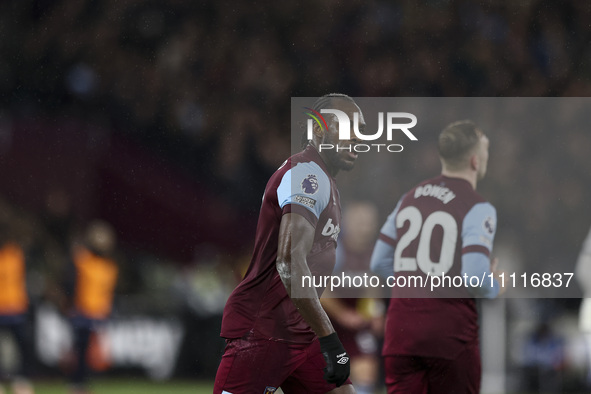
column 306, row 185
column 478, row 265
column 389, row 227
column 479, row 226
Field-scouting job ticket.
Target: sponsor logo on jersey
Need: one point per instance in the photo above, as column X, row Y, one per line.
column 270, row 390
column 310, row 184
column 330, row 230
column 307, row 201
column 489, row 225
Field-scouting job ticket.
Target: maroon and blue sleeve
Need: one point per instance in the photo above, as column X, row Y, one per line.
column 478, row 232
column 305, row 190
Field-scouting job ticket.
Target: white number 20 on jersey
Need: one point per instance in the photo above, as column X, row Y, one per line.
column 424, row 230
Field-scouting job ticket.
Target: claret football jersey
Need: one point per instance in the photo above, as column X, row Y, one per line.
column 431, row 228
column 260, row 304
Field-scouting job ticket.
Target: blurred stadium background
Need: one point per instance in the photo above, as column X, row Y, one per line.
column 167, row 118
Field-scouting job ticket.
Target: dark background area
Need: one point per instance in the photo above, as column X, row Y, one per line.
column 200, row 90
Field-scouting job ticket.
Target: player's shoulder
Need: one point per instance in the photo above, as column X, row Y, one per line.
column 301, row 180
column 462, row 189
column 481, row 221
column 308, row 159
column 474, row 205
column 441, row 192
column 307, row 168
column 283, row 168
column 301, row 174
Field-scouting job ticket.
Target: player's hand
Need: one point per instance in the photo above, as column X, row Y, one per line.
column 502, row 289
column 337, row 360
column 494, row 263
column 497, row 273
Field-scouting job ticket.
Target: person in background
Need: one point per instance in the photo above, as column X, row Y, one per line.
column 54, row 245
column 358, row 321
column 583, row 275
column 543, row 357
column 441, row 226
column 91, row 288
column 14, row 305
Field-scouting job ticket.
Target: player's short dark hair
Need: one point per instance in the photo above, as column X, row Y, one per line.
column 323, row 102
column 457, row 141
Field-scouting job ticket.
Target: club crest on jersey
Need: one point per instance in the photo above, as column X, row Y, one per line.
column 270, row 390
column 489, row 225
column 310, row 184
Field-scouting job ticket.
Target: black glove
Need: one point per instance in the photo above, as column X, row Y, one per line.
column 337, row 360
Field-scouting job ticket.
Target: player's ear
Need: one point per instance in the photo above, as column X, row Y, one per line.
column 474, row 162
column 317, row 130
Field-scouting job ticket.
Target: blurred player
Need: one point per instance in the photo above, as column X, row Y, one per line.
column 92, row 289
column 358, row 321
column 274, row 340
column 14, row 305
column 583, row 274
column 440, row 226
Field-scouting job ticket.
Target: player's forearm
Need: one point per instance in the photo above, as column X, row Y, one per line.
column 312, row 312
column 382, row 259
column 304, row 298
column 296, row 236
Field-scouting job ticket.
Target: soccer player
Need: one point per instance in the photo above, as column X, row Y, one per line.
column 440, row 227
column 358, row 321
column 94, row 273
column 277, row 333
column 583, row 274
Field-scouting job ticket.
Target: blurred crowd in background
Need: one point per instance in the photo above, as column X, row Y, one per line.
column 206, row 82
column 167, row 118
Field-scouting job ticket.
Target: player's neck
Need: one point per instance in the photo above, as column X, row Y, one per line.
column 467, row 175
column 329, row 167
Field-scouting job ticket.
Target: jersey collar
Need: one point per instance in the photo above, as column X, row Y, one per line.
column 315, row 155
